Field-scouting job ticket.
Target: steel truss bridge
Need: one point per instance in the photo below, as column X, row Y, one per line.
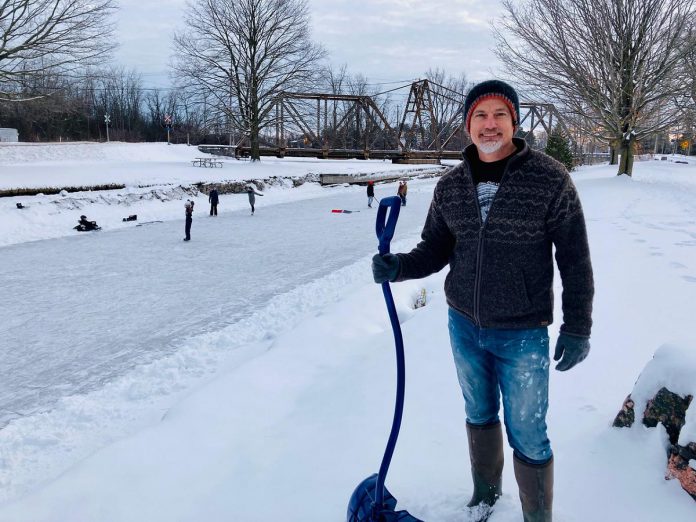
column 338, row 126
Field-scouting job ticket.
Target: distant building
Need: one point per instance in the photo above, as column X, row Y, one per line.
column 9, row 135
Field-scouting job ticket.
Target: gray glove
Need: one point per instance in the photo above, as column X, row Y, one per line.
column 385, row 268
column 572, row 349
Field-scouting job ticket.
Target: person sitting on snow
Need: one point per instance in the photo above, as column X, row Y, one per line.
column 84, row 225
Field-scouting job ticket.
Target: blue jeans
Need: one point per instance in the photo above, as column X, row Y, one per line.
column 491, row 361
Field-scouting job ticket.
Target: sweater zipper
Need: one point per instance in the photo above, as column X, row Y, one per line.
column 479, row 248
column 477, row 280
column 479, row 263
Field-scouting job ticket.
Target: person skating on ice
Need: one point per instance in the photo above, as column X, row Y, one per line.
column 252, row 197
column 370, row 193
column 188, row 208
column 213, row 199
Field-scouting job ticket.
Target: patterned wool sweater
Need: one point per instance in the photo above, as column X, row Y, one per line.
column 501, row 271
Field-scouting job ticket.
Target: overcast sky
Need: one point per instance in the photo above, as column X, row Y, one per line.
column 385, row 40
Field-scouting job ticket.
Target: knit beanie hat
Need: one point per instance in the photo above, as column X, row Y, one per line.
column 492, row 89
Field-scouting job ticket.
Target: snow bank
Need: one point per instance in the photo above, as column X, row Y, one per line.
column 90, row 164
column 47, row 153
column 674, row 368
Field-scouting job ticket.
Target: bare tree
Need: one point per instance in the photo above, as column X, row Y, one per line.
column 686, row 99
column 56, row 36
column 334, row 81
column 448, row 102
column 450, row 92
column 615, row 62
column 119, row 93
column 243, row 53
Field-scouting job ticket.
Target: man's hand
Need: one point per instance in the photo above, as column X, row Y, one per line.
column 571, row 350
column 385, row 268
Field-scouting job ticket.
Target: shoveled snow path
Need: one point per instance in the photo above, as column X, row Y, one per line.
column 103, row 302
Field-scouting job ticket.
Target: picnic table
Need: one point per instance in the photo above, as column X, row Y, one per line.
column 206, row 162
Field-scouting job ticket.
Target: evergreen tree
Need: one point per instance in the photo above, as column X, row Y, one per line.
column 527, row 136
column 558, row 147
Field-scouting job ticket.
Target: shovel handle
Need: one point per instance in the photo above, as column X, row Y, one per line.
column 386, row 225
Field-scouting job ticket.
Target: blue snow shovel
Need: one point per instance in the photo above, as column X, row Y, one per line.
column 371, row 502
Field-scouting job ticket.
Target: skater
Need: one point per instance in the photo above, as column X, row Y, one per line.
column 85, row 225
column 188, row 207
column 370, row 193
column 500, row 290
column 213, row 200
column 251, row 192
column 401, row 192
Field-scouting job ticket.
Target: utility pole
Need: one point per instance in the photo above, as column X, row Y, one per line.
column 168, row 124
column 107, row 120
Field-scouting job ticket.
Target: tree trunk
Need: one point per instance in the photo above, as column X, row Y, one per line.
column 613, row 156
column 255, row 148
column 254, row 136
column 626, row 163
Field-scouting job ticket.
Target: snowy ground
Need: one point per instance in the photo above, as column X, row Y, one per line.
column 248, row 375
column 77, row 164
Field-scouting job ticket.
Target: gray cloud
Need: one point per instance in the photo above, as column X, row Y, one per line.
column 385, row 40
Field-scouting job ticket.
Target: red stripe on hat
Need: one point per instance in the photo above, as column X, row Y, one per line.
column 487, row 96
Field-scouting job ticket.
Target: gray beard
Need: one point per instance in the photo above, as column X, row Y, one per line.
column 490, row 147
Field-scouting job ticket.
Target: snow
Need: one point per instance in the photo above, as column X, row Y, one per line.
column 84, row 164
column 249, row 374
column 673, row 367
column 156, row 177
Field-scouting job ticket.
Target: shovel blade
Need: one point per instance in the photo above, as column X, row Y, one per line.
column 361, row 506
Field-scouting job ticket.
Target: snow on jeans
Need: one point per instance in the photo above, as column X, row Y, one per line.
column 491, row 361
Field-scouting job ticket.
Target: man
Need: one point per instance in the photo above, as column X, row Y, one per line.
column 188, row 207
column 213, row 199
column 494, row 219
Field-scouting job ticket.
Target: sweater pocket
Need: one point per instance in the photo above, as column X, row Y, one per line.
column 504, row 296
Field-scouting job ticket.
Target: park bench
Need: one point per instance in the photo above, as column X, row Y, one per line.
column 206, row 162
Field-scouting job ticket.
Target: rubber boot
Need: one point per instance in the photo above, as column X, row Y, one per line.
column 536, row 489
column 486, row 454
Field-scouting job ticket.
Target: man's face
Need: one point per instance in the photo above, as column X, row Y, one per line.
column 492, row 129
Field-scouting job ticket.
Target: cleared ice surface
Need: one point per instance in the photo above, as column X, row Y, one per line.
column 79, row 311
